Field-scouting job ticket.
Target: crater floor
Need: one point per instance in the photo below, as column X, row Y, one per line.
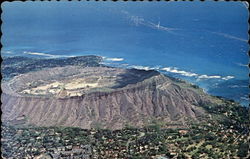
column 75, row 80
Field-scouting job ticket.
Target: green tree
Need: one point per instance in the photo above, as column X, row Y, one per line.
column 243, row 150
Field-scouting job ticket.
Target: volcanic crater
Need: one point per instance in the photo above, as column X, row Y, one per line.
column 105, row 96
column 73, row 81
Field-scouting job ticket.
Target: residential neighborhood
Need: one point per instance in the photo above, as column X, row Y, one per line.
column 149, row 142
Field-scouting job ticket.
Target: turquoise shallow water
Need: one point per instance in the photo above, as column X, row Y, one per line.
column 204, row 43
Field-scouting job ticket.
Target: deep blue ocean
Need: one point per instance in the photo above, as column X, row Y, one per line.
column 204, row 43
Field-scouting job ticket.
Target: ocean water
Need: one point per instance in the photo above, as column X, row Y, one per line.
column 204, row 43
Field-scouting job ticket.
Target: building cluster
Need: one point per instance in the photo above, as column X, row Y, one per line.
column 32, row 143
column 198, row 141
